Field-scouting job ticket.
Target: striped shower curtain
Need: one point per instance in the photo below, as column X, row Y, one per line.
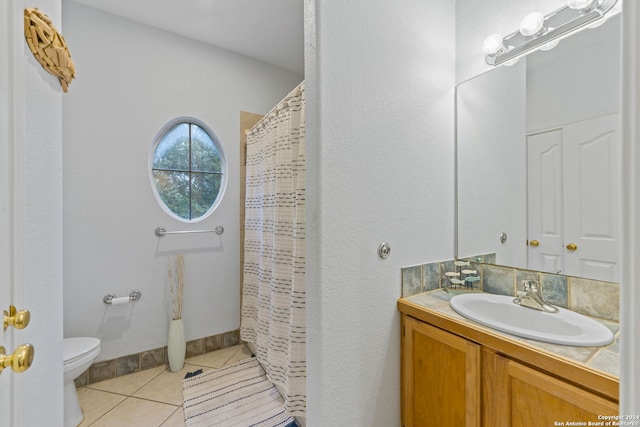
column 273, row 296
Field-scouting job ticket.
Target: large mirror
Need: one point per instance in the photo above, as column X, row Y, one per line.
column 538, row 159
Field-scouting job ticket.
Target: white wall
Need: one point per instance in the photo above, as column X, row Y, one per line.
column 43, row 273
column 132, row 80
column 380, row 168
column 492, row 171
column 577, row 80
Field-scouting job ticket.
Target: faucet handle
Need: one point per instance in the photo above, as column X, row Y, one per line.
column 531, row 296
column 532, row 286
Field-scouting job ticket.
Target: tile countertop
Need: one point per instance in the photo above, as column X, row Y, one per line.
column 605, row 358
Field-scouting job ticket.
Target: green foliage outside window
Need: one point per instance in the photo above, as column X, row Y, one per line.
column 187, row 170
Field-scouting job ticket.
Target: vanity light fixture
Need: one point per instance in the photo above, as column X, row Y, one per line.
column 543, row 32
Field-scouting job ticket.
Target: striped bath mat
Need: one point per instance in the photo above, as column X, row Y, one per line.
column 236, row 395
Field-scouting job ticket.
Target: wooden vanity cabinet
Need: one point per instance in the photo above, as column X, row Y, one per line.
column 448, row 380
column 440, row 377
column 516, row 395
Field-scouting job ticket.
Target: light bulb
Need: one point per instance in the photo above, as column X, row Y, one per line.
column 511, row 62
column 493, row 44
column 598, row 23
column 550, row 45
column 532, row 24
column 581, row 4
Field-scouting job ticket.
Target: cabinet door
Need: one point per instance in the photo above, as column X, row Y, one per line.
column 441, row 377
column 535, row 398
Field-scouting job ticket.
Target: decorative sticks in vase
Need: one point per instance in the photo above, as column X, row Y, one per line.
column 176, row 289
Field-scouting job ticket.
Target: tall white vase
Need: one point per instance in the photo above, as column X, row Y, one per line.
column 176, row 345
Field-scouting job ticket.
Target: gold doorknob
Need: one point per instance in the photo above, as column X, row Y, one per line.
column 534, row 243
column 572, row 247
column 17, row 319
column 19, row 361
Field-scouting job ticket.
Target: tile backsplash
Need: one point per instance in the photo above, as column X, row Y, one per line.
column 589, row 297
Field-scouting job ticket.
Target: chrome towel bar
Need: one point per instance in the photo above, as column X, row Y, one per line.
column 160, row 231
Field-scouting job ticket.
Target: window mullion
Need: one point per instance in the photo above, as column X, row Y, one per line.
column 190, row 176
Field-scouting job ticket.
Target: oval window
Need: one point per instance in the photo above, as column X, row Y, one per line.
column 187, row 169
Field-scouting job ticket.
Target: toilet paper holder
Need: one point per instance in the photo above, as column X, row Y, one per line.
column 133, row 296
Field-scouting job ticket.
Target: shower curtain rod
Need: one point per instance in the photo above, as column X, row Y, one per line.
column 295, row 92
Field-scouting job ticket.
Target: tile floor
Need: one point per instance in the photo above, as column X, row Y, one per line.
column 150, row 398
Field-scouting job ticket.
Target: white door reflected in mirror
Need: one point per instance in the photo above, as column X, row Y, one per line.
column 574, row 196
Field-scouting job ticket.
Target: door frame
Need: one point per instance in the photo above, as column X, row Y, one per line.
column 13, row 218
column 630, row 252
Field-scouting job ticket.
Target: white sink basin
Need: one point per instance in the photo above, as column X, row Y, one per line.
column 499, row 312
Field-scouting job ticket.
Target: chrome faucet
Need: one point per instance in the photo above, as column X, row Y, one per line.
column 531, row 297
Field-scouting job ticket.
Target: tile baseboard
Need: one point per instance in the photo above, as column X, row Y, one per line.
column 124, row 365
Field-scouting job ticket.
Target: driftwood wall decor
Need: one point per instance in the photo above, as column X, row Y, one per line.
column 48, row 46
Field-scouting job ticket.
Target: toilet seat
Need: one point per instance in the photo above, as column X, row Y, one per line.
column 78, row 347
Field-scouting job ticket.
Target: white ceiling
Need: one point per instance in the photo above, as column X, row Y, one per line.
column 268, row 30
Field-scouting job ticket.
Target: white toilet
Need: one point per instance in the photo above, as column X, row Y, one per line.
column 79, row 353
